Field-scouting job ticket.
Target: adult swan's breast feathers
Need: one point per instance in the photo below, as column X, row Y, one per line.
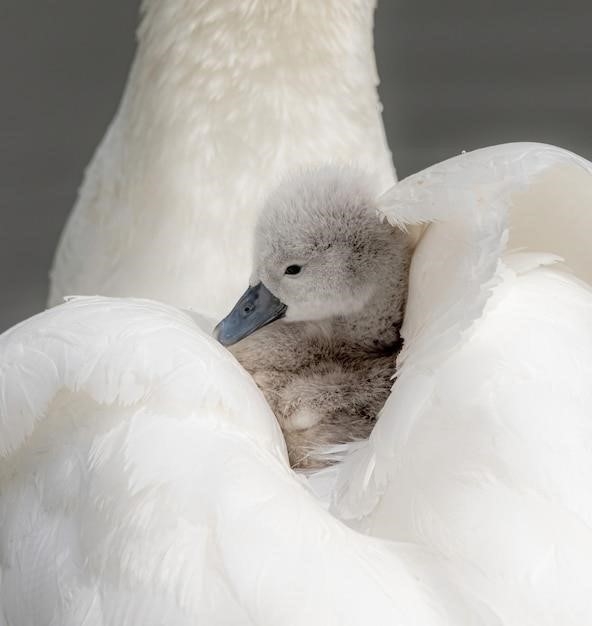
column 143, row 479
column 216, row 110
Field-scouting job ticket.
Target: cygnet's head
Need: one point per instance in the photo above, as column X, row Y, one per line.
column 320, row 251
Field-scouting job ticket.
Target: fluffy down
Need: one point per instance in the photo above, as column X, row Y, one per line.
column 326, row 369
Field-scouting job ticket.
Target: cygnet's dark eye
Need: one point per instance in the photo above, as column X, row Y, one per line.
column 293, row 269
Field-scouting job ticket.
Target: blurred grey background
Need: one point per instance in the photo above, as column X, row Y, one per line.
column 455, row 76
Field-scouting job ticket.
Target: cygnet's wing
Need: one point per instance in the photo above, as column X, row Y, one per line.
column 144, row 480
column 484, row 449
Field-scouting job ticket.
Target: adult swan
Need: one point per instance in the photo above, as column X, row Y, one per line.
column 144, row 480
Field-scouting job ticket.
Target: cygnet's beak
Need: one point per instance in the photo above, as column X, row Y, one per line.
column 256, row 308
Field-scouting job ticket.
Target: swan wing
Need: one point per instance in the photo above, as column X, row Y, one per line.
column 484, row 451
column 144, row 480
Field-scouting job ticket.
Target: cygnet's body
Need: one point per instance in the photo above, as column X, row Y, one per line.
column 337, row 275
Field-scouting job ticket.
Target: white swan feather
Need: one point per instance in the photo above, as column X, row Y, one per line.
column 143, row 478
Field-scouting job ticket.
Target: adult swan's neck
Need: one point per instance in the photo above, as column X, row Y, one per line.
column 223, row 98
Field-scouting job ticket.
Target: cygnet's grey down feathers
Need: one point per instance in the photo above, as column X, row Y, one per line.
column 326, row 369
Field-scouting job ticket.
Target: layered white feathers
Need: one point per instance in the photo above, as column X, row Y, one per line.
column 484, row 449
column 143, row 479
column 223, row 99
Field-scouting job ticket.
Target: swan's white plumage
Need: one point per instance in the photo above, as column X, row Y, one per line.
column 485, row 449
column 145, row 489
column 217, row 109
column 143, row 479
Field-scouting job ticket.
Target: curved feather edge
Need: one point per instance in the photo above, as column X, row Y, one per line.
column 473, row 206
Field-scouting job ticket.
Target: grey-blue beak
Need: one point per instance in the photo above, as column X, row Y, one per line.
column 256, row 308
